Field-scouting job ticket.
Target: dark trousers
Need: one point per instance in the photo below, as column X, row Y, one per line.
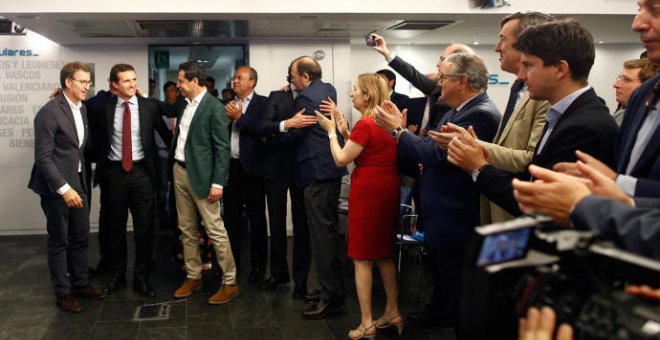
column 164, row 203
column 447, row 271
column 321, row 209
column 120, row 192
column 276, row 197
column 68, row 232
column 243, row 188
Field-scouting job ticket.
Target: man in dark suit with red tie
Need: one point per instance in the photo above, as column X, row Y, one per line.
column 60, row 178
column 125, row 150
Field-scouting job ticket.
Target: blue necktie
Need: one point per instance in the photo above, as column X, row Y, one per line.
column 511, row 104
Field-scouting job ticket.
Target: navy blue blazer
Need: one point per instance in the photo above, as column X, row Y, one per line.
column 251, row 147
column 631, row 228
column 279, row 156
column 56, row 151
column 314, row 162
column 586, row 125
column 647, row 169
column 450, row 201
column 400, row 100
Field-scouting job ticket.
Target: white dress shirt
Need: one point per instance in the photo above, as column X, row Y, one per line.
column 80, row 132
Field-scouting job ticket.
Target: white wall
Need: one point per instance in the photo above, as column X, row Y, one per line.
column 20, row 212
column 608, row 64
column 19, row 208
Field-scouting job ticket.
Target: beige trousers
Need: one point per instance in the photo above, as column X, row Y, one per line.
column 187, row 206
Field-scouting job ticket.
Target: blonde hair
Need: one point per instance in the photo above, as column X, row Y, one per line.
column 375, row 86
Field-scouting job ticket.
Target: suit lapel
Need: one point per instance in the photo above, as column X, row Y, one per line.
column 142, row 117
column 68, row 113
column 83, row 112
column 110, row 108
column 629, row 142
column 200, row 109
column 516, row 111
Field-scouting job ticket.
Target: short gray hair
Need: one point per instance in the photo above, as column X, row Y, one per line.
column 471, row 66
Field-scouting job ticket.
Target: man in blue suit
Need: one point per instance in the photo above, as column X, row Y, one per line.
column 450, row 202
column 245, row 184
column 320, row 179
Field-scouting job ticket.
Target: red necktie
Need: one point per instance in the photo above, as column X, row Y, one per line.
column 126, row 147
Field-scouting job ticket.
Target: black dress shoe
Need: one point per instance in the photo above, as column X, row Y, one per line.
column 313, row 296
column 256, row 275
column 271, row 283
column 143, row 287
column 68, row 304
column 299, row 292
column 115, row 283
column 88, row 292
column 321, row 310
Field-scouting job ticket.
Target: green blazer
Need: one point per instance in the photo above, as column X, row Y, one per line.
column 207, row 146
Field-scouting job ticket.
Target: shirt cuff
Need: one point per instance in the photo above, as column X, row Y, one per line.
column 390, row 57
column 282, row 129
column 627, row 184
column 217, row 186
column 63, row 189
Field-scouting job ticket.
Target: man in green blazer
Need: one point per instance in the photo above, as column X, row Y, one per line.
column 201, row 158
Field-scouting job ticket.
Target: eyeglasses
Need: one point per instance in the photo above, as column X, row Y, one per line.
column 443, row 77
column 624, row 79
column 84, row 82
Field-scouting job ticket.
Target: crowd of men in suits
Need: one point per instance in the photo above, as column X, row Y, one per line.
column 473, row 164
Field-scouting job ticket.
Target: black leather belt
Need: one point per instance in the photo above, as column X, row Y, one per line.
column 181, row 164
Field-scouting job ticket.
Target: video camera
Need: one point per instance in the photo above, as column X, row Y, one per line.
column 530, row 262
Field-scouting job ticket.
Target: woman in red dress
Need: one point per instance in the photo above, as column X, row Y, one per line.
column 373, row 199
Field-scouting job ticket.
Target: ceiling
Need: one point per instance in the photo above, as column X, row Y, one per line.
column 187, row 28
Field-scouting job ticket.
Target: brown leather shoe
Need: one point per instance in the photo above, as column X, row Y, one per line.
column 68, row 303
column 224, row 295
column 88, row 292
column 187, row 288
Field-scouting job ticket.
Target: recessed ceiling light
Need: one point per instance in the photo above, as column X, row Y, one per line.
column 600, row 42
column 475, row 43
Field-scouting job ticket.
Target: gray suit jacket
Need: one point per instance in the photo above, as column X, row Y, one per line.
column 57, row 155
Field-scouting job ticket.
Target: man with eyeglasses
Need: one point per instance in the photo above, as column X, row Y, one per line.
column 450, row 202
column 435, row 107
column 555, row 69
column 125, row 152
column 59, row 177
column 635, row 72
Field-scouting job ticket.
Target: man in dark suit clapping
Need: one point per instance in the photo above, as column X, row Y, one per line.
column 245, row 185
column 450, row 201
column 60, row 178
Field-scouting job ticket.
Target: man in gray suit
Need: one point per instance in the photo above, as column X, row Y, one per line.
column 59, row 177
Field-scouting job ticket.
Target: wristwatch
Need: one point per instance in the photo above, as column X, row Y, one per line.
column 396, row 132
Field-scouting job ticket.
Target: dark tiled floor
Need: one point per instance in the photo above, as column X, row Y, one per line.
column 27, row 308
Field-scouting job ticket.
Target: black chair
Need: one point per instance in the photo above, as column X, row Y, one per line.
column 407, row 222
